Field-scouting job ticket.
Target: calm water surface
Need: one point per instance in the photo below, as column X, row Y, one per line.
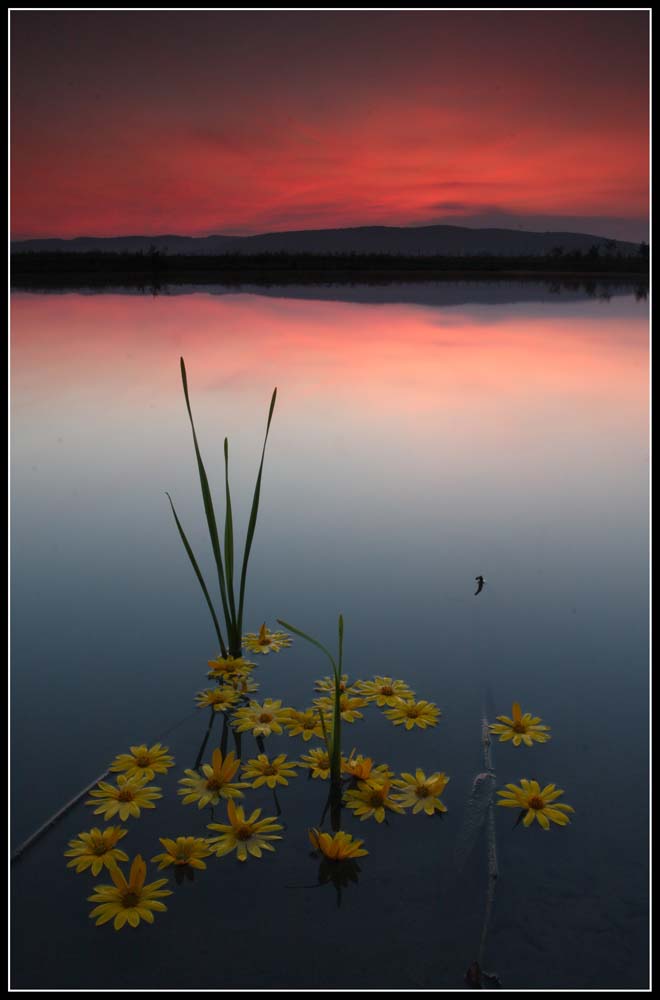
column 421, row 437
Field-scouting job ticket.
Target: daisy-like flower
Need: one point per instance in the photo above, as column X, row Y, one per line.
column 269, row 772
column 95, row 849
column 306, row 724
column 413, row 713
column 219, row 698
column 521, row 728
column 126, row 798
column 229, row 669
column 336, row 847
column 348, row 706
column 260, row 720
column 327, row 684
column 266, row 641
column 420, row 792
column 245, row 836
column 362, row 769
column 244, row 685
column 128, row 902
column 318, row 762
column 385, row 691
column 540, row 804
column 143, row 761
column 371, row 801
column 183, row 851
column 214, row 783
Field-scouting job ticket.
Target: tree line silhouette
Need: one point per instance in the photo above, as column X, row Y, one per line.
column 57, row 268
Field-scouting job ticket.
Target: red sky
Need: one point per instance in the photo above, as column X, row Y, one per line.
column 245, row 122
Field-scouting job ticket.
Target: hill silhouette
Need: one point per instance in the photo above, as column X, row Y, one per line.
column 454, row 241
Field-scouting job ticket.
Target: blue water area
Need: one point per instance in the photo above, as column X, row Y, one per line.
column 422, row 436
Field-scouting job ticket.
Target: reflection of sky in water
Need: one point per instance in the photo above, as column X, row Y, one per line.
column 412, row 448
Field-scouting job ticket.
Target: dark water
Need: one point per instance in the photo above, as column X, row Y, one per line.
column 419, row 440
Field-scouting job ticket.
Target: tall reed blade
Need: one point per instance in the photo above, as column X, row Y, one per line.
column 253, row 517
column 208, row 503
column 336, row 721
column 334, row 745
column 234, row 639
column 199, row 576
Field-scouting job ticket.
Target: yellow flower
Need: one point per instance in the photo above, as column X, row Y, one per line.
column 269, row 772
column 362, row 768
column 539, row 803
column 421, row 792
column 219, row 699
column 266, row 641
column 371, row 800
column 261, row 720
column 229, row 668
column 385, row 691
column 348, row 706
column 143, row 762
column 128, row 902
column 336, row 847
column 244, row 685
column 318, row 762
column 183, row 851
column 127, row 797
column 96, row 849
column 327, row 684
column 306, row 724
column 214, row 783
column 413, row 713
column 245, row 836
column 521, row 728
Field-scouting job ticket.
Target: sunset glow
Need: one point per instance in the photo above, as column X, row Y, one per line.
column 244, row 122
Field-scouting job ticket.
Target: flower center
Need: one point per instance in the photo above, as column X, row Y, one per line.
column 422, row 792
column 264, row 641
column 536, row 802
column 270, row 770
column 376, row 798
column 265, row 717
column 130, row 899
column 99, row 849
column 244, row 832
column 519, row 727
column 214, row 784
column 387, row 690
column 412, row 711
column 125, row 795
column 143, row 760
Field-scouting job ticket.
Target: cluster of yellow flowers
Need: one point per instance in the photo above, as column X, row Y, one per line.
column 535, row 803
column 370, row 790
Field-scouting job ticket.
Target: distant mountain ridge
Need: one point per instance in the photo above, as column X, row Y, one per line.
column 455, row 241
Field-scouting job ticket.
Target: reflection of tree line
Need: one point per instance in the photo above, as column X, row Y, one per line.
column 155, row 268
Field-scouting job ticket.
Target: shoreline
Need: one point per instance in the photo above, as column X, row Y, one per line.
column 50, row 278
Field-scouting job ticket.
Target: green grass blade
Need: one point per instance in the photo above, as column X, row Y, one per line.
column 253, row 516
column 335, row 758
column 198, row 574
column 208, row 505
column 325, row 732
column 229, row 544
column 314, row 642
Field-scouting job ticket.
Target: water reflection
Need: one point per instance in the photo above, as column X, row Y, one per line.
column 340, row 874
column 416, row 446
